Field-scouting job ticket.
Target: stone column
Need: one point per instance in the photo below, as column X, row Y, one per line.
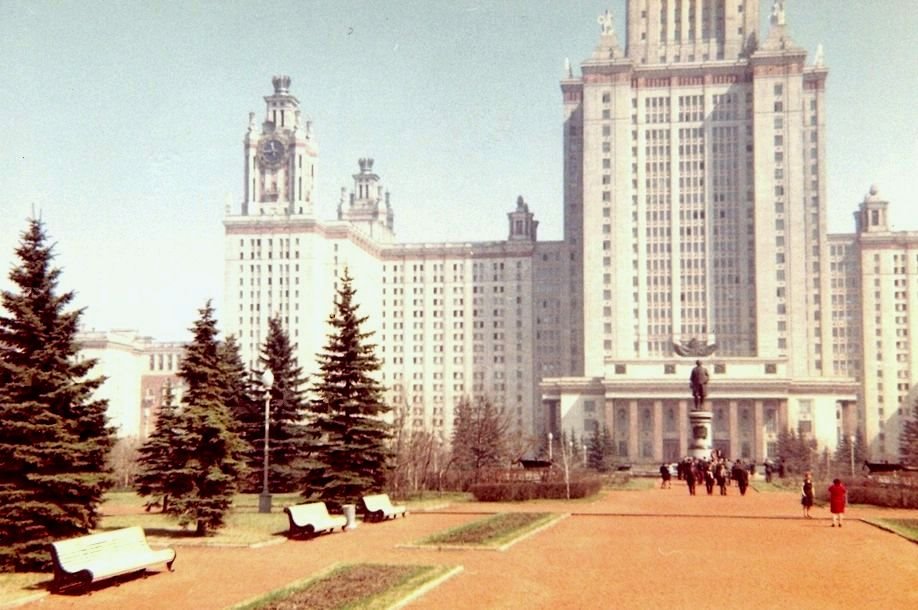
column 758, row 432
column 634, row 426
column 733, row 426
column 658, row 430
column 684, row 429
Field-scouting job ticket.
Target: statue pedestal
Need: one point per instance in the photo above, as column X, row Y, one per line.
column 701, row 435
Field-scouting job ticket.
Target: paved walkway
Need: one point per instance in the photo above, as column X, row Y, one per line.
column 640, row 549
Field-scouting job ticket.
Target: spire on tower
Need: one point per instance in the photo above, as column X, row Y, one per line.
column 281, row 84
column 819, row 60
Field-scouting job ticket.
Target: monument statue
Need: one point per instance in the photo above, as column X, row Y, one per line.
column 699, row 383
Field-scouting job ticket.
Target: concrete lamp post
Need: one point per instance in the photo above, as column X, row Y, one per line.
column 264, row 499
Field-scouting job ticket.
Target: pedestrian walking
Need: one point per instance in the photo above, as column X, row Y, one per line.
column 689, row 470
column 709, row 480
column 741, row 476
column 664, row 476
column 806, row 497
column 720, row 475
column 838, row 498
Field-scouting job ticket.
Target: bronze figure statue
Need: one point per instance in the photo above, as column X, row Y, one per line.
column 699, row 383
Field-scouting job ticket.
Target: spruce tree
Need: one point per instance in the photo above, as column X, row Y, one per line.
column 209, row 457
column 289, row 437
column 245, row 403
column 596, row 452
column 350, row 453
column 908, row 438
column 156, row 459
column 54, row 438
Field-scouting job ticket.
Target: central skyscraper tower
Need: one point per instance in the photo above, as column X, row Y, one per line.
column 694, row 194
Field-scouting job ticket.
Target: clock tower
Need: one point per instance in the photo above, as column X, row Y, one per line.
column 280, row 157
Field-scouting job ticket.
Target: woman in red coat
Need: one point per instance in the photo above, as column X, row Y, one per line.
column 838, row 497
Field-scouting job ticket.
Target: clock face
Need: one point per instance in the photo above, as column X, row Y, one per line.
column 272, row 152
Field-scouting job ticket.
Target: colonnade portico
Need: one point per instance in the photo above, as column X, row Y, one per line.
column 741, row 428
column 647, row 414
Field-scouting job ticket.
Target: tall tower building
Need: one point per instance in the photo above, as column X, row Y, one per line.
column 694, row 193
column 279, row 157
column 451, row 321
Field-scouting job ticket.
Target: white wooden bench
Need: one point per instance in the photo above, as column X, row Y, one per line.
column 312, row 518
column 378, row 507
column 88, row 559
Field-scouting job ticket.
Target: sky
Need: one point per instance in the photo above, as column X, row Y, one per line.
column 121, row 123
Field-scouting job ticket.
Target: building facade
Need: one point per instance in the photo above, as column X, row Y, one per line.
column 137, row 370
column 694, row 228
column 695, row 197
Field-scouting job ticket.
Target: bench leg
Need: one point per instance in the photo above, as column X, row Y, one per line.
column 169, row 564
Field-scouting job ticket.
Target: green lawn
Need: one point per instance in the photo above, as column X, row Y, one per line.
column 907, row 528
column 352, row 587
column 17, row 586
column 244, row 524
column 490, row 532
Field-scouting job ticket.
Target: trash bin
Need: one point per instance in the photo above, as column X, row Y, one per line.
column 350, row 513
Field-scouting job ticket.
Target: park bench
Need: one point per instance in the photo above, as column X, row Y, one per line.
column 312, row 518
column 88, row 559
column 378, row 507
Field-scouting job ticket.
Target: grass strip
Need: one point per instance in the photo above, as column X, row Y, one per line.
column 362, row 586
column 907, row 528
column 492, row 531
column 18, row 586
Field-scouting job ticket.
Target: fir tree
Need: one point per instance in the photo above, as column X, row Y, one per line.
column 601, row 451
column 246, row 408
column 156, row 459
column 350, row 454
column 209, row 457
column 908, row 439
column 843, row 453
column 289, row 437
column 54, row 438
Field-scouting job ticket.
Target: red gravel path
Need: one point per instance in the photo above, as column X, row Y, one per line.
column 648, row 549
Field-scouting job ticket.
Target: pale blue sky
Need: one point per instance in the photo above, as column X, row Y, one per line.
column 123, row 123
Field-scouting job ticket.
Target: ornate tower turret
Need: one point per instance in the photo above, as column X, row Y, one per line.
column 368, row 206
column 280, row 157
column 523, row 225
column 872, row 215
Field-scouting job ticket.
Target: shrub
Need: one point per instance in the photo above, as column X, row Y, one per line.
column 888, row 494
column 531, row 490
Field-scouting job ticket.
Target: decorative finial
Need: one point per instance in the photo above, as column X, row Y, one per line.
column 820, row 60
column 606, row 23
column 568, row 71
column 874, row 190
column 281, row 84
column 251, row 121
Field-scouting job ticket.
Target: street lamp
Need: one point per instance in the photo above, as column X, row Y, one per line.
column 550, row 437
column 264, row 499
column 851, row 440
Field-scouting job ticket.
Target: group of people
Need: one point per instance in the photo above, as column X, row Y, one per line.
column 838, row 499
column 709, row 473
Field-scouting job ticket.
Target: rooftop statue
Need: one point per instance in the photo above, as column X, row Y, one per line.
column 605, row 21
